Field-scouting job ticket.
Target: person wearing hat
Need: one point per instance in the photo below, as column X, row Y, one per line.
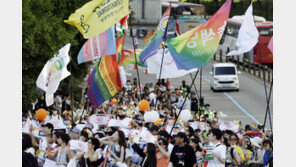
column 257, row 154
column 182, row 154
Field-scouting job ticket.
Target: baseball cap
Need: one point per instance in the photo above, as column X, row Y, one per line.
column 75, row 130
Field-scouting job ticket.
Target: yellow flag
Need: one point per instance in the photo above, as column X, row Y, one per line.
column 97, row 16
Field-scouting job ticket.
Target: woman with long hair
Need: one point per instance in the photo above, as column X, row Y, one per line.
column 117, row 146
column 148, row 154
column 91, row 158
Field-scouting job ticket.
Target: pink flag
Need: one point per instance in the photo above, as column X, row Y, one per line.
column 270, row 45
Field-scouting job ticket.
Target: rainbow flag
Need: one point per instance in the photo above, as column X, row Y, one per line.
column 179, row 124
column 253, row 126
column 122, row 25
column 119, row 45
column 195, row 48
column 234, row 162
column 98, row 46
column 151, row 47
column 158, row 123
column 128, row 57
column 104, row 81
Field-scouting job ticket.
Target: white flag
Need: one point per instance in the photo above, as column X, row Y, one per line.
column 54, row 71
column 247, row 34
column 169, row 68
column 122, row 75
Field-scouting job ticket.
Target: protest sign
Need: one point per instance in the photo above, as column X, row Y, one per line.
column 98, row 119
column 58, row 124
column 147, row 136
column 228, row 125
column 194, row 125
column 78, row 145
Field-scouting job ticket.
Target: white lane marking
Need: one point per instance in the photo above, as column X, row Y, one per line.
column 236, row 103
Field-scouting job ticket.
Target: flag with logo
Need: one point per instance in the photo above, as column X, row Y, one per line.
column 169, row 68
column 151, row 47
column 104, row 81
column 247, row 34
column 195, row 48
column 98, row 46
column 97, row 16
column 54, row 71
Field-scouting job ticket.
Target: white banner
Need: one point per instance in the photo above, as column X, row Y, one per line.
column 119, row 123
column 98, row 119
column 54, row 71
column 147, row 136
column 78, row 145
column 247, row 35
column 169, row 68
column 228, row 125
column 58, row 124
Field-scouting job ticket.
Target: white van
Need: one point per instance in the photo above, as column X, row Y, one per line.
column 224, row 77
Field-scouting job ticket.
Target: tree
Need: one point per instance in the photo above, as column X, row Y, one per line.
column 43, row 34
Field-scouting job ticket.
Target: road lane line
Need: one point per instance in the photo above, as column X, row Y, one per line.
column 236, row 103
column 241, row 108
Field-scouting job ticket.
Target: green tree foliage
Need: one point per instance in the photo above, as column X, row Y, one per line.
column 262, row 8
column 43, row 34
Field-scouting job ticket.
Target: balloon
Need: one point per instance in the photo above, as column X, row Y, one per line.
column 114, row 101
column 151, row 116
column 185, row 115
column 41, row 114
column 143, row 105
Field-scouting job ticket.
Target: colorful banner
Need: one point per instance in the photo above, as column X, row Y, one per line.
column 149, row 36
column 247, row 34
column 151, row 48
column 97, row 16
column 195, row 48
column 54, row 71
column 119, row 46
column 104, row 81
column 169, row 68
column 128, row 57
column 98, row 46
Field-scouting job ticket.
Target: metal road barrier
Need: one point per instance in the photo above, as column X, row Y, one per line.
column 245, row 65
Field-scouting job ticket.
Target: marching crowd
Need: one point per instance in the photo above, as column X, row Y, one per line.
column 251, row 145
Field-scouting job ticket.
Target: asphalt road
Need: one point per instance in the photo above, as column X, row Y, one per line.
column 247, row 105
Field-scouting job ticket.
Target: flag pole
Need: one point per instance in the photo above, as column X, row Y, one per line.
column 194, row 86
column 270, row 89
column 136, row 60
column 71, row 93
column 183, row 102
column 264, row 82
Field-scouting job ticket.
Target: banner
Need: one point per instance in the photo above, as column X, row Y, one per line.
column 97, row 16
column 119, row 123
column 58, row 124
column 98, row 46
column 98, row 119
column 26, row 126
column 228, row 125
column 54, row 71
column 78, row 145
column 151, row 48
column 104, row 81
column 195, row 48
column 169, row 68
column 247, row 34
column 147, row 136
column 128, row 58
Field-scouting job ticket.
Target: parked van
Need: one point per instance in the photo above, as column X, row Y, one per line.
column 225, row 77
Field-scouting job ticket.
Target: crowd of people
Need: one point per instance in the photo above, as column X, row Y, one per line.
column 250, row 146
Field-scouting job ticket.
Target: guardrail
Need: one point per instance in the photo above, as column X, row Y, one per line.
column 245, row 65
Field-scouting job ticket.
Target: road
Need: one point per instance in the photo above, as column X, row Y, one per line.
column 247, row 105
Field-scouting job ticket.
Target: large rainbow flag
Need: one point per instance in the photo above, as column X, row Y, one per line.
column 104, row 81
column 151, row 48
column 128, row 57
column 195, row 48
column 98, row 46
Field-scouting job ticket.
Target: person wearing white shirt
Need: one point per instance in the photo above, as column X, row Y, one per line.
column 219, row 152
